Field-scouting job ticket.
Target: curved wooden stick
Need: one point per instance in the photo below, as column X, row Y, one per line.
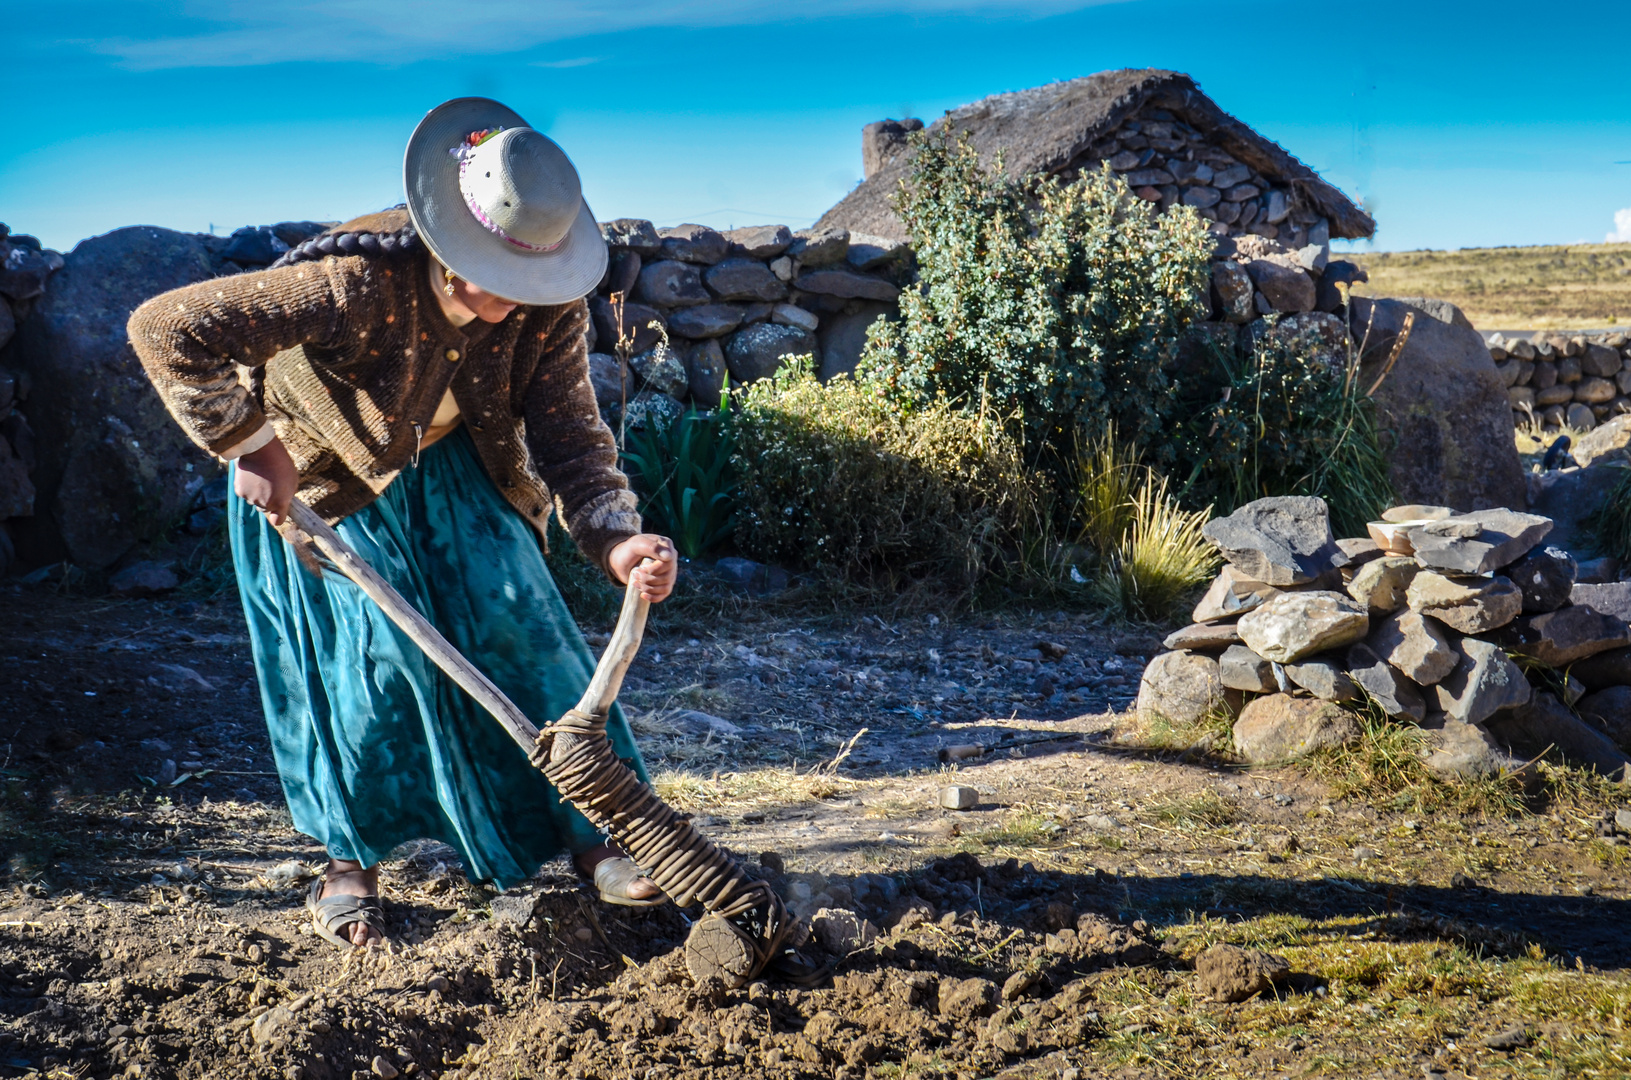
column 597, row 699
column 415, row 625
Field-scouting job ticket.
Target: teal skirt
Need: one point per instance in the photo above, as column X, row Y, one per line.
column 374, row 744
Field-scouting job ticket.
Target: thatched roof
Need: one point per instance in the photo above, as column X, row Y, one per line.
column 1048, row 128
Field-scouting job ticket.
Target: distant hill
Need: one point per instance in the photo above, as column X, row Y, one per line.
column 1563, row 287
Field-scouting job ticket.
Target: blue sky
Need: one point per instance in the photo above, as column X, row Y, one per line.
column 1459, row 124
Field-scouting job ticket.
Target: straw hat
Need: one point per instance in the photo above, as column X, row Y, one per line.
column 500, row 204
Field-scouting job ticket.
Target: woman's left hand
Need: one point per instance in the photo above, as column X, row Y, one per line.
column 654, row 581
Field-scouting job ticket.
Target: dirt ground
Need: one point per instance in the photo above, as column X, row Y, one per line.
column 151, row 923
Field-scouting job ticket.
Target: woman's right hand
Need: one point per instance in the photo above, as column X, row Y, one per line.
column 266, row 478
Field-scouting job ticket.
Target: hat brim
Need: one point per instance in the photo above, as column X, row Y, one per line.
column 430, row 175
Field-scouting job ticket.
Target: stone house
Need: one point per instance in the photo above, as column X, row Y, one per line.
column 1172, row 143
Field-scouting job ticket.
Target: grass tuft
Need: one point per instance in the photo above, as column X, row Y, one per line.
column 1162, row 558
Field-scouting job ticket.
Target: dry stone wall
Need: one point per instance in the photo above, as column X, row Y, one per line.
column 1565, row 379
column 1167, row 162
column 696, row 307
column 25, row 270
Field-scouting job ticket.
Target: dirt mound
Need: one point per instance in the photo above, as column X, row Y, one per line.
column 550, row 984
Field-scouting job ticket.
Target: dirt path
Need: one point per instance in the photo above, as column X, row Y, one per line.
column 152, row 923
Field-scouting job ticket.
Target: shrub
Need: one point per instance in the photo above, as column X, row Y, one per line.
column 841, row 477
column 1058, row 304
column 1610, row 524
column 1285, row 414
column 682, row 473
column 1160, row 560
column 1107, row 474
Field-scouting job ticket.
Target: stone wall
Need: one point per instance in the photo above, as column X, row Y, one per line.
column 92, row 467
column 1556, row 379
column 698, row 306
column 108, row 468
column 25, row 269
column 1167, row 162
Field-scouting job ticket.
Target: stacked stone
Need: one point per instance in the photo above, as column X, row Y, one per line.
column 1559, row 379
column 1168, row 162
column 1467, row 625
column 25, row 267
column 698, row 304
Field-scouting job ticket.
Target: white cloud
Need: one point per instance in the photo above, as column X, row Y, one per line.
column 247, row 33
column 1622, row 228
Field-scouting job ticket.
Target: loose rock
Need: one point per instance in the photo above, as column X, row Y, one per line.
column 959, row 797
column 1559, row 638
column 145, row 578
column 1470, row 605
column 1395, row 694
column 1483, row 682
column 1280, row 727
column 1610, row 598
column 1294, row 625
column 1546, row 577
column 1181, row 687
column 1204, row 637
column 1231, row 593
column 1610, row 711
column 1381, row 583
column 1241, row 669
column 1279, row 541
column 1230, row 973
column 1464, row 750
column 1324, row 679
column 1497, row 537
column 1544, row 722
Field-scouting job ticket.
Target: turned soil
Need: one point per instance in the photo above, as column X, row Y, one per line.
column 152, row 920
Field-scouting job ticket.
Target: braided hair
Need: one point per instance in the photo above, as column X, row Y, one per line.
column 388, row 234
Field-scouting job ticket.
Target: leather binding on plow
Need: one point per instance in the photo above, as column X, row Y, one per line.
column 746, row 931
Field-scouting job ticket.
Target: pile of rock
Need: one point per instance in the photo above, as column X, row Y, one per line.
column 698, row 304
column 1468, row 625
column 1559, row 379
column 25, row 267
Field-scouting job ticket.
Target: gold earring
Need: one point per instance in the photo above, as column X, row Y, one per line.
column 448, row 274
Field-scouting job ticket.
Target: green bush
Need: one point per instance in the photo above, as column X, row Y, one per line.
column 1609, row 526
column 1286, row 414
column 841, row 477
column 682, row 472
column 1056, row 304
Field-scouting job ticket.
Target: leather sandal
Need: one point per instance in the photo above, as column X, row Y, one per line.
column 330, row 915
column 613, row 877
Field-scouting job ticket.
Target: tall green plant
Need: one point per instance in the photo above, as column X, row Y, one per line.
column 1285, row 413
column 1059, row 302
column 1161, row 558
column 841, row 477
column 682, row 470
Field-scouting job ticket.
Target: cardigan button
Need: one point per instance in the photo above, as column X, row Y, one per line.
column 452, row 354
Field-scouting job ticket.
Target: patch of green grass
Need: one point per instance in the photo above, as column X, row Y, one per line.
column 1205, row 809
column 1021, row 829
column 1385, row 767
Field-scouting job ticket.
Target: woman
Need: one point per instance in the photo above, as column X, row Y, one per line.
column 420, row 378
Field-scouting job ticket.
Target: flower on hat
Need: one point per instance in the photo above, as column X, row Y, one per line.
column 473, row 140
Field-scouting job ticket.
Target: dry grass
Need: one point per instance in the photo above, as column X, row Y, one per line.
column 750, row 789
column 1577, row 286
column 1392, row 992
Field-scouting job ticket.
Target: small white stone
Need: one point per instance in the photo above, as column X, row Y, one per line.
column 959, row 797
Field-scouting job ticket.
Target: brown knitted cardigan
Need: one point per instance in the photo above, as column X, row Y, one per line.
column 354, row 352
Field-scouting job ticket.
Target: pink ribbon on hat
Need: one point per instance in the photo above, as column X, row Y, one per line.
column 462, row 152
